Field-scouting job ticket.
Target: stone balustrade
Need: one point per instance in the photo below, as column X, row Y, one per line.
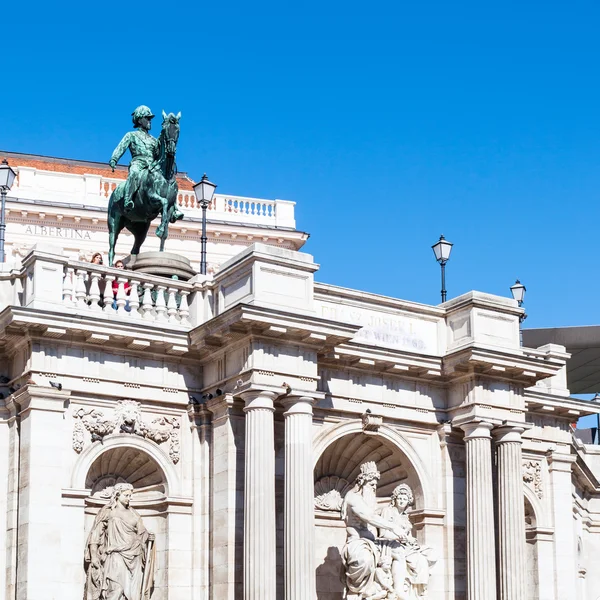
column 50, row 281
column 222, row 208
column 237, row 208
column 94, row 191
column 136, row 295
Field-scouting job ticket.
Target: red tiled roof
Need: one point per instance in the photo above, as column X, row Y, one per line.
column 78, row 167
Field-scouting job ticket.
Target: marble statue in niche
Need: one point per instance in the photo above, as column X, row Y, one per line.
column 381, row 558
column 119, row 552
column 410, row 562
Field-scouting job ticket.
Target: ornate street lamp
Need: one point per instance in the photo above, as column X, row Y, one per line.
column 204, row 191
column 442, row 249
column 518, row 293
column 7, row 176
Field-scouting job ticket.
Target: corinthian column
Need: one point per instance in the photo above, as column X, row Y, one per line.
column 259, row 497
column 511, row 513
column 299, row 534
column 481, row 552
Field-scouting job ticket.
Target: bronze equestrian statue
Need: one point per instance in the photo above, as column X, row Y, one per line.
column 151, row 188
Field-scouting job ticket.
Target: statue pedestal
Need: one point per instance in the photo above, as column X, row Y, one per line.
column 164, row 264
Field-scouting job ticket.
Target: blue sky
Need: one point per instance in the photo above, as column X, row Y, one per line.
column 388, row 122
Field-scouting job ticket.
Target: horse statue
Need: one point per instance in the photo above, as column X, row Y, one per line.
column 151, row 187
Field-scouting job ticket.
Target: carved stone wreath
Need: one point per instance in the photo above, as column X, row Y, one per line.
column 126, row 418
column 532, row 476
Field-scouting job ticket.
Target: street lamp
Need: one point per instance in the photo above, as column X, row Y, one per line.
column 7, row 176
column 442, row 249
column 518, row 293
column 204, row 191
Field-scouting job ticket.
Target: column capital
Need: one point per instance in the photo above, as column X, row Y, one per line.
column 259, row 399
column 296, row 404
column 510, row 432
column 477, row 429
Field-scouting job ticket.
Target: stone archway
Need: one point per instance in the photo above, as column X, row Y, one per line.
column 335, row 472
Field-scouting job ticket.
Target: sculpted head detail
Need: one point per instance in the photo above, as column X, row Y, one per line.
column 402, row 497
column 368, row 476
column 122, row 494
column 142, row 118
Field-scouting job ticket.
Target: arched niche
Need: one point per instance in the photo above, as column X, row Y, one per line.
column 145, row 450
column 391, row 439
column 340, row 462
column 130, row 465
column 339, row 453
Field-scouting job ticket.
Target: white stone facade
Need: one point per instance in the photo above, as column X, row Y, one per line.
column 241, row 405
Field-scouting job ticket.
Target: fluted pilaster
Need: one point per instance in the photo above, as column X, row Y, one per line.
column 511, row 514
column 481, row 552
column 259, row 497
column 300, row 582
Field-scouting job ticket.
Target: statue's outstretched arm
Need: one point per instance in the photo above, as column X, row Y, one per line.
column 366, row 514
column 119, row 150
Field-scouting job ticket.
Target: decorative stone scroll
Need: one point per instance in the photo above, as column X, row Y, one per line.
column 126, row 418
column 532, row 476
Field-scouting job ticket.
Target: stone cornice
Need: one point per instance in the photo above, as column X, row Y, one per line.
column 244, row 320
column 475, row 299
column 384, row 360
column 108, row 330
column 525, row 366
column 538, row 402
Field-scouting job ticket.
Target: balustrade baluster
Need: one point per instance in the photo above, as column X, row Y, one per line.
column 121, row 295
column 147, row 302
column 108, row 294
column 94, row 296
column 134, row 299
column 80, row 293
column 68, row 286
column 172, row 305
column 161, row 306
column 184, row 311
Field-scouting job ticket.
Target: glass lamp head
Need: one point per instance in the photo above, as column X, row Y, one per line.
column 204, row 190
column 518, row 292
column 7, row 176
column 442, row 249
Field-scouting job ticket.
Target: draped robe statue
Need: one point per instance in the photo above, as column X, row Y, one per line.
column 119, row 552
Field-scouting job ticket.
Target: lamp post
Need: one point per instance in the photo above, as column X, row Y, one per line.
column 518, row 293
column 204, row 191
column 442, row 249
column 7, row 176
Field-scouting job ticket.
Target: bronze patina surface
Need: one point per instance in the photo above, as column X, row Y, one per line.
column 151, row 188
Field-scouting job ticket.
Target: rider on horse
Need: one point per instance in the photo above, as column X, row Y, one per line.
column 143, row 149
